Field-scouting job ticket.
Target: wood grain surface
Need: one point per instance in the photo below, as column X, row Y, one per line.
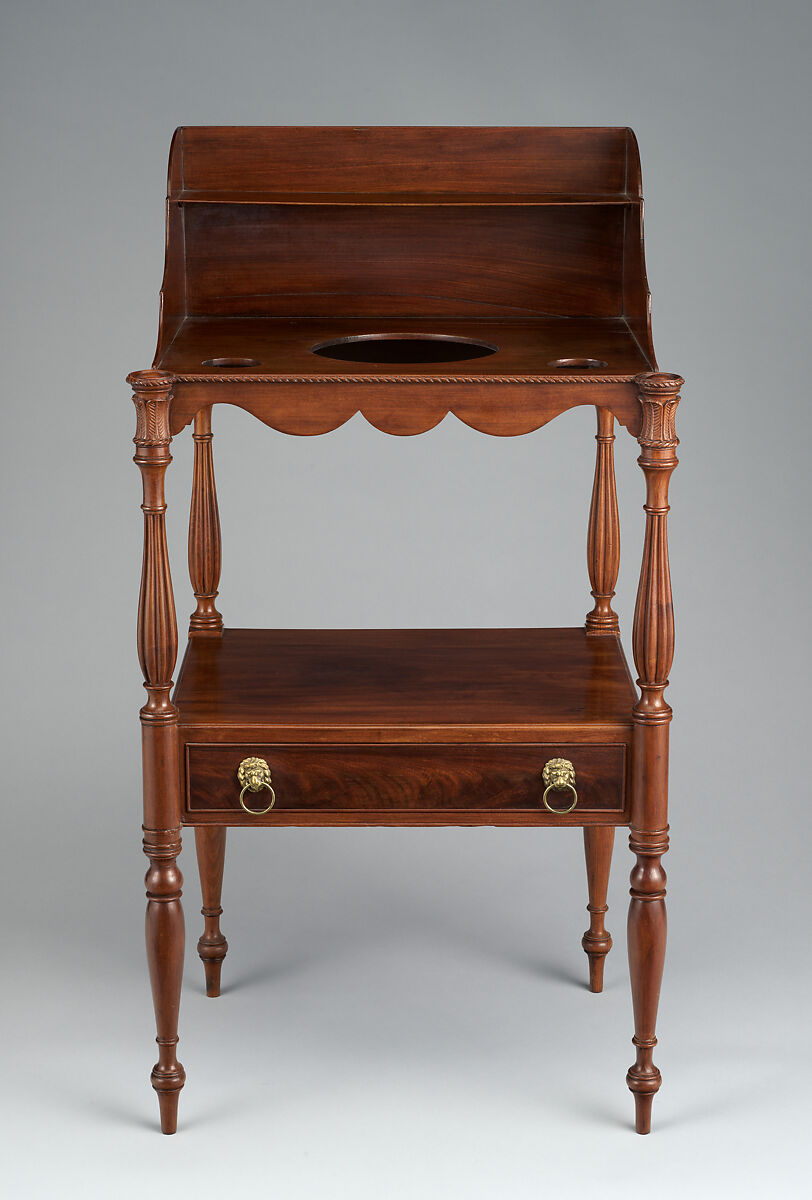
column 396, row 785
column 359, row 159
column 474, row 684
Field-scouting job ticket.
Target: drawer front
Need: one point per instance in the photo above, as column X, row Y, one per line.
column 494, row 784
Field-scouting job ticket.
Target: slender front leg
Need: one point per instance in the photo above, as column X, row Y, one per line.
column 157, row 650
column 597, row 942
column 165, row 945
column 204, row 532
column 653, row 643
column 210, row 841
column 603, row 536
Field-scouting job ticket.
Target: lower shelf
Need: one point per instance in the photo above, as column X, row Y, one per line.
column 405, row 727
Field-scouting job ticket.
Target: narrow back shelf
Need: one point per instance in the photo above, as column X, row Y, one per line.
column 405, row 273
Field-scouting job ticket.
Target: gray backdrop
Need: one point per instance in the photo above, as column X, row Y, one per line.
column 404, row 1012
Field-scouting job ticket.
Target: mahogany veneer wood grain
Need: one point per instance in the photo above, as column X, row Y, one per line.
column 374, row 690
column 526, row 246
column 434, row 160
column 473, row 684
column 283, row 346
column 559, row 260
column 429, row 784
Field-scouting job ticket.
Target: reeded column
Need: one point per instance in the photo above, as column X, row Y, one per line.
column 653, row 644
column 157, row 651
column 204, row 532
column 603, row 536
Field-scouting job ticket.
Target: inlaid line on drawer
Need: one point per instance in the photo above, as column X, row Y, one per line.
column 404, row 778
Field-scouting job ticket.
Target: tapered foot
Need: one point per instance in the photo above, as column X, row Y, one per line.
column 596, row 961
column 212, row 966
column 168, row 1084
column 642, row 1111
column 168, row 1102
column 644, row 1086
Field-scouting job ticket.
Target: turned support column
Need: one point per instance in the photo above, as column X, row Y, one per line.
column 204, row 572
column 603, row 563
column 653, row 645
column 204, row 532
column 603, row 536
column 157, row 651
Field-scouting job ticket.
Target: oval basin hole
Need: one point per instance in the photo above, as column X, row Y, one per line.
column 403, row 348
column 230, row 362
column 579, row 364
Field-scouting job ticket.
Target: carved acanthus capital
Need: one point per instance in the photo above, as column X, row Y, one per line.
column 152, row 394
column 659, row 397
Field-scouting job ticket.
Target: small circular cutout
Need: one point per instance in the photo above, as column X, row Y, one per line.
column 230, row 362
column 403, row 348
column 578, row 364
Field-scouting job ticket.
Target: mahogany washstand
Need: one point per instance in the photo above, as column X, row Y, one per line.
column 405, row 273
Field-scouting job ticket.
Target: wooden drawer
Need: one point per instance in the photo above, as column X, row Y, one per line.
column 432, row 784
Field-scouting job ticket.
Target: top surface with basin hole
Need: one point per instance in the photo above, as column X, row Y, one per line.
column 434, row 347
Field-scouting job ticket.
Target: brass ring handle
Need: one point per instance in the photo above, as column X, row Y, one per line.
column 559, row 811
column 258, row 812
column 254, row 775
column 559, row 776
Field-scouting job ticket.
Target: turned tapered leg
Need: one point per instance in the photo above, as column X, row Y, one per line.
column 653, row 644
column 210, row 841
column 646, row 940
column 157, row 650
column 598, row 843
column 165, row 946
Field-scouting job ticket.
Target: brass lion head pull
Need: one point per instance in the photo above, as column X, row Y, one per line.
column 559, row 776
column 254, row 774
